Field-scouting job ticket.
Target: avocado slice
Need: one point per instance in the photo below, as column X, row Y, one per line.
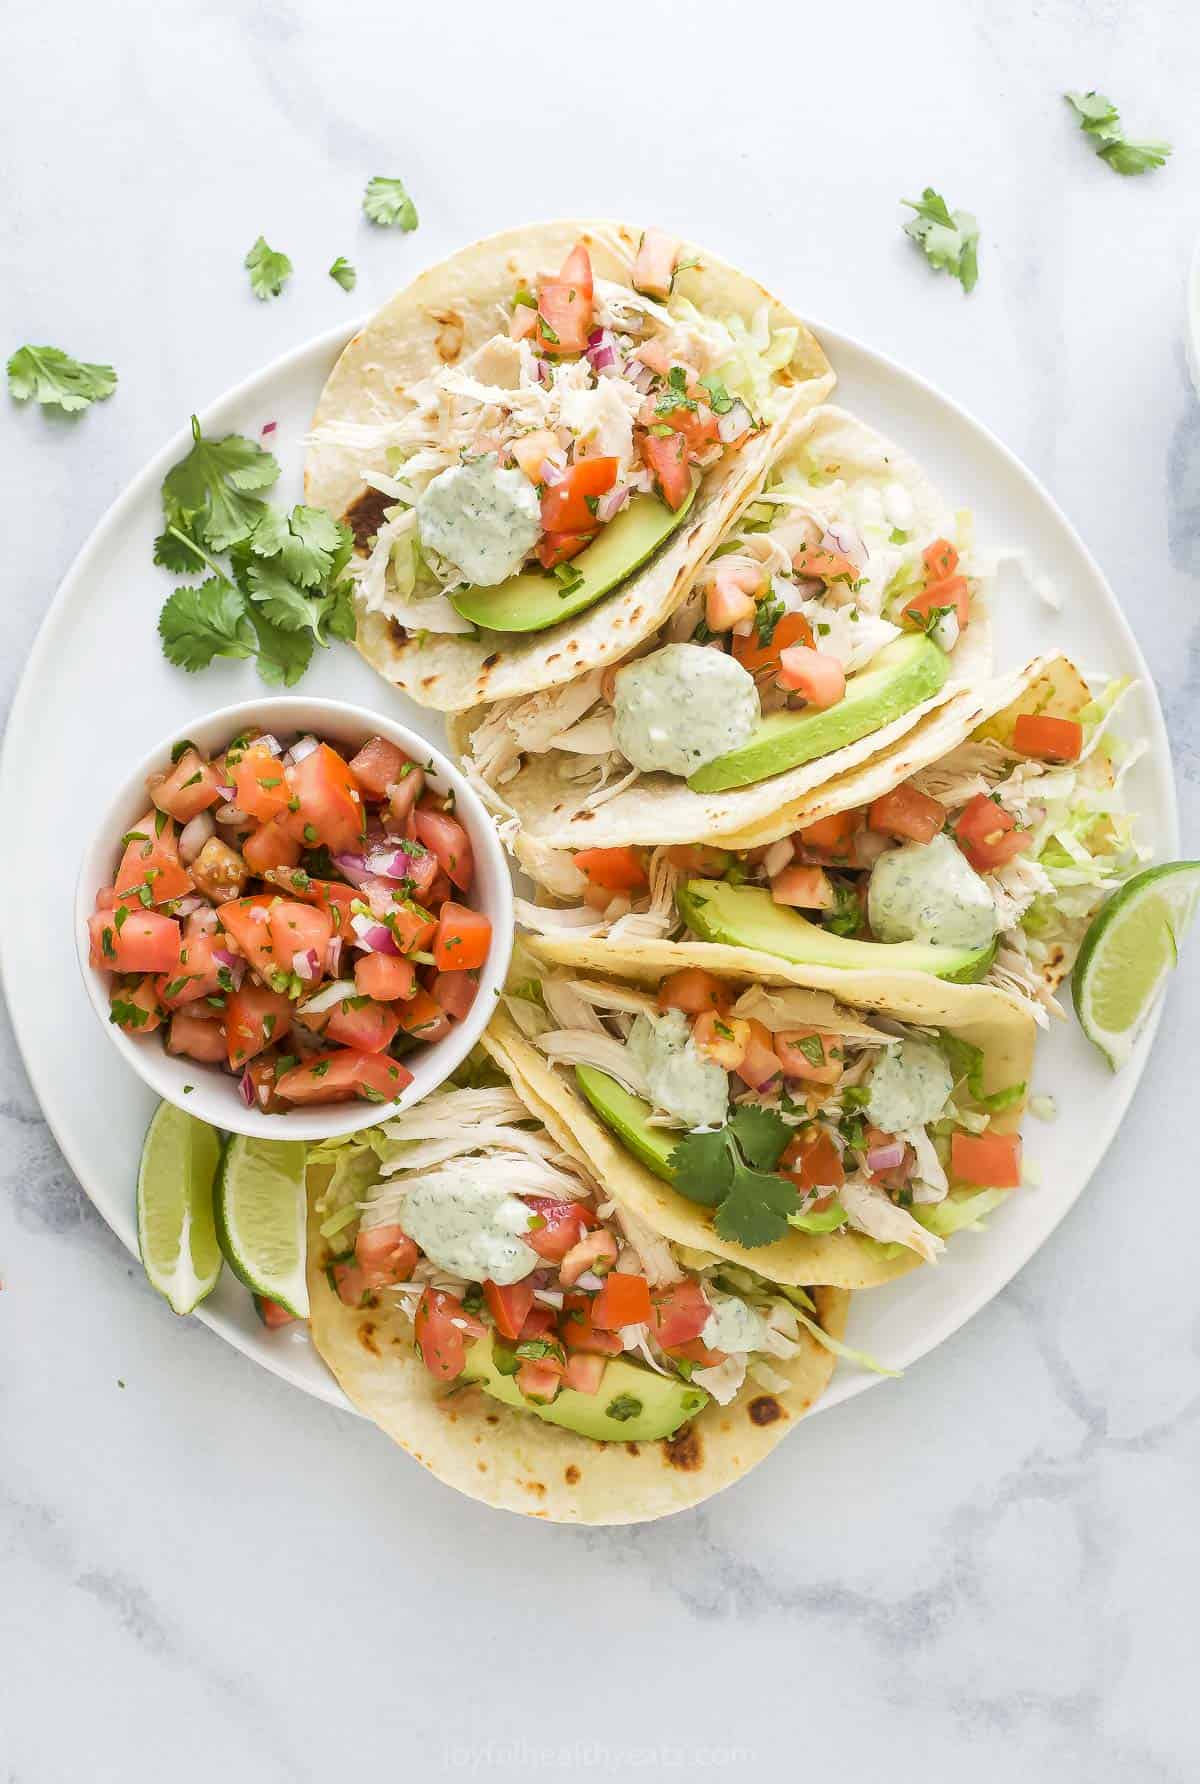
column 534, row 599
column 906, row 672
column 748, row 917
column 628, row 1116
column 634, row 1405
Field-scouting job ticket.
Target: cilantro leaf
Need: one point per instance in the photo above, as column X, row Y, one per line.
column 282, row 656
column 343, row 274
column 308, row 549
column 205, row 494
column 387, row 203
column 762, row 1136
column 756, row 1209
column 1099, row 117
column 702, row 1167
column 949, row 239
column 52, row 378
column 269, row 271
column 732, row 1170
column 200, row 622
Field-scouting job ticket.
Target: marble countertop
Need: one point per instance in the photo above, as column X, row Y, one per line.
column 991, row 1563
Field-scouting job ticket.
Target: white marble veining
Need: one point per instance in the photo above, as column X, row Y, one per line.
column 988, row 1568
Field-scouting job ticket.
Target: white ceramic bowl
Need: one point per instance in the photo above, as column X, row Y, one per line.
column 214, row 1096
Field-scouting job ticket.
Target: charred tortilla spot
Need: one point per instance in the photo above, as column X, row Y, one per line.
column 492, row 1418
column 482, row 1467
column 364, row 516
column 490, row 662
column 633, row 1449
column 684, row 1451
column 448, row 342
column 571, row 1475
column 366, row 1337
column 534, row 1486
column 398, row 632
column 764, row 1409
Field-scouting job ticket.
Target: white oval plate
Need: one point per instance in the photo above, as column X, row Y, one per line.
column 97, row 692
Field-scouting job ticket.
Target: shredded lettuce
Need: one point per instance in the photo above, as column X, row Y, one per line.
column 958, row 1213
column 757, row 352
column 799, row 1301
column 966, row 1062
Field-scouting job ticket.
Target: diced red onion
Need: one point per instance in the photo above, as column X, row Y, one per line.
column 552, row 473
column 306, row 963
column 354, row 868
column 269, row 742
column 601, row 350
column 327, row 996
column 192, row 903
column 589, row 1280
column 333, row 955
column 540, row 370
column 839, row 535
column 194, row 835
column 303, row 747
column 391, row 863
column 639, row 375
column 778, row 856
column 735, row 421
column 234, row 962
column 258, row 913
column 612, row 502
column 268, row 427
column 246, row 1088
column 886, row 1158
column 373, row 938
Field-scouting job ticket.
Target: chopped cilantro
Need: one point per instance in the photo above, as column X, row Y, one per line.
column 343, row 274
column 387, row 203
column 1100, row 119
column 767, row 615
column 55, row 380
column 719, row 399
column 949, row 239
column 624, row 1407
column 269, row 271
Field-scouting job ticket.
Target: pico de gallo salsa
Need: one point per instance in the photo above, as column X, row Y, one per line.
column 295, row 916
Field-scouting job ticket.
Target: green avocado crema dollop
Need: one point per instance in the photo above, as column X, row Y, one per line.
column 682, row 706
column 480, row 519
column 929, row 892
column 681, row 1082
column 910, row 1086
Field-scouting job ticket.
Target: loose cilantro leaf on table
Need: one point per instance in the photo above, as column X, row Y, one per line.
column 269, row 271
column 949, row 239
column 52, row 378
column 732, row 1170
column 343, row 274
column 1099, row 118
column 387, row 203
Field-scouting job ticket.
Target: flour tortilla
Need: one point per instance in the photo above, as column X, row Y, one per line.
column 514, row 1460
column 441, row 318
column 983, row 1017
column 549, row 794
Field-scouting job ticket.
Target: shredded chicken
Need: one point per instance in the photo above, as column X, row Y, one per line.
column 583, row 1046
column 872, row 1212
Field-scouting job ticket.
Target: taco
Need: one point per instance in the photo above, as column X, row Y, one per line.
column 978, row 848
column 536, row 442
column 487, row 1297
column 819, row 1127
column 840, row 607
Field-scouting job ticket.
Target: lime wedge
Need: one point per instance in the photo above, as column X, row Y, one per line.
column 176, row 1233
column 261, row 1210
column 1132, row 944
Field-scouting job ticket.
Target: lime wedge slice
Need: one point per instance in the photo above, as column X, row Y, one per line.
column 261, row 1210
column 177, row 1236
column 1132, row 944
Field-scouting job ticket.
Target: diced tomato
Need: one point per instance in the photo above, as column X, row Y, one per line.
column 151, row 861
column 623, row 1301
column 332, row 896
column 539, row 1381
column 812, row 1160
column 941, row 560
column 563, row 1225
column 584, row 1373
column 654, row 267
column 455, row 993
column 463, row 938
column 697, row 426
column 386, row 1254
column 559, row 548
column 376, row 766
column 384, row 976
column 537, row 1322
column 579, row 1332
column 412, row 927
column 596, row 1251
column 565, row 305
column 272, row 1314
column 532, row 450
column 820, row 678
column 691, row 990
column 145, row 941
column 990, row 1161
column 349, row 1278
column 196, row 972
column 198, row 1036
column 422, row 1017
column 794, row 1045
column 721, row 1038
column 758, row 658
column 908, row 814
column 1051, row 739
column 255, row 1018
column 336, row 1077
column 270, row 846
column 299, row 929
column 442, row 1342
column 619, row 870
column 251, row 933
column 730, row 597
column 833, row 836
column 804, row 888
column 330, row 805
column 368, row 1028
column 449, row 842
column 827, row 566
column 263, row 1074
column 680, row 1313
column 260, row 786
column 696, row 1351
column 135, row 1008
column 509, row 1305
column 988, row 835
column 565, row 506
column 760, row 1066
column 700, row 857
column 190, row 788
column 953, row 592
column 403, row 795
column 666, row 458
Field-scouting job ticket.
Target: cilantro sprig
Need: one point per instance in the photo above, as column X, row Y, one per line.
column 1099, row 118
column 949, row 239
column 284, row 590
column 269, row 271
column 55, row 380
column 387, row 203
column 343, row 274
column 733, row 1170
